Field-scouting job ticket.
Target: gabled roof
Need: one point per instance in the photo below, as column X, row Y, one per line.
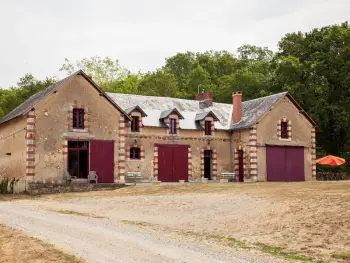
column 254, row 110
column 35, row 99
column 135, row 108
column 201, row 116
column 166, row 113
column 191, row 110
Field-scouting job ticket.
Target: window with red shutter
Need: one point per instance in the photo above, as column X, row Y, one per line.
column 284, row 130
column 207, row 127
column 78, row 118
column 135, row 124
column 172, row 126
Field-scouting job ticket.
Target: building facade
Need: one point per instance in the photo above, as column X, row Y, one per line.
column 73, row 128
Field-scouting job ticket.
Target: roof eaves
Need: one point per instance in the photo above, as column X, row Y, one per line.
column 137, row 107
column 203, row 115
column 166, row 113
column 102, row 93
column 303, row 112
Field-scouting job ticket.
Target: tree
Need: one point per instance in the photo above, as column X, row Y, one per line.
column 26, row 87
column 104, row 71
column 159, row 83
column 315, row 68
column 2, row 114
column 128, row 85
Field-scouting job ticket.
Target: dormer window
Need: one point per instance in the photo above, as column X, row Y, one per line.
column 78, row 119
column 284, row 130
column 172, row 126
column 208, row 128
column 135, row 124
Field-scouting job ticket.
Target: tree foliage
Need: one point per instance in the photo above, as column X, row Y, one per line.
column 313, row 66
column 103, row 70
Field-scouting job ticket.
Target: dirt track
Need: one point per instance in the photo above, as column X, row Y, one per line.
column 97, row 240
column 309, row 219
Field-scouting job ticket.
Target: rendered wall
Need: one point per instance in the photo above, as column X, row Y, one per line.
column 301, row 133
column 52, row 131
column 13, row 149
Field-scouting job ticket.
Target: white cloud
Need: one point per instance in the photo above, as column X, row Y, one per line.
column 38, row 35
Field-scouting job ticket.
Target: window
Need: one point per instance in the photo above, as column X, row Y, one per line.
column 172, row 127
column 135, row 124
column 207, row 127
column 284, row 130
column 135, row 153
column 78, row 118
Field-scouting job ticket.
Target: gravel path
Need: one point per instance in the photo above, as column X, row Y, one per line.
column 97, row 240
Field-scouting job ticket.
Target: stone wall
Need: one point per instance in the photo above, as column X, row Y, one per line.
column 41, row 188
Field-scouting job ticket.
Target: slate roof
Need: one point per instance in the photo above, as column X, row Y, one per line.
column 33, row 100
column 154, row 108
column 137, row 107
column 252, row 110
column 203, row 115
column 166, row 113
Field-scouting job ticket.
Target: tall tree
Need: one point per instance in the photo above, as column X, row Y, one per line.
column 315, row 67
column 27, row 86
column 159, row 83
column 103, row 70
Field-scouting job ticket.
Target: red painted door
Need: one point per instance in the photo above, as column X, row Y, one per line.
column 165, row 164
column 180, row 164
column 285, row 163
column 240, row 166
column 172, row 163
column 102, row 160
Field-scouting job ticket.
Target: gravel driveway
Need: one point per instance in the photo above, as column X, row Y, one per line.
column 99, row 240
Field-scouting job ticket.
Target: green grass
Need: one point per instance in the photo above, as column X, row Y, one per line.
column 238, row 244
column 227, row 241
column 135, row 223
column 70, row 212
column 342, row 255
column 281, row 252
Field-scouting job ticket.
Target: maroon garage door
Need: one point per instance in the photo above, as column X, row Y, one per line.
column 102, row 160
column 285, row 163
column 172, row 162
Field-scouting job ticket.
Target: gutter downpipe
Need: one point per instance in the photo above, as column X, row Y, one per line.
column 231, row 152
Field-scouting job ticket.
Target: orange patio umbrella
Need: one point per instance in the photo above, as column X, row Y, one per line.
column 331, row 160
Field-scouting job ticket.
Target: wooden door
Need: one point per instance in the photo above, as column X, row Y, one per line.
column 285, row 163
column 102, row 160
column 172, row 162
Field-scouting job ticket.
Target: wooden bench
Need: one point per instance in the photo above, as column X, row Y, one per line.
column 133, row 177
column 230, row 176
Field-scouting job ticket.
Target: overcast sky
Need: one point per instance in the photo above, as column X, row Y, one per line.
column 36, row 35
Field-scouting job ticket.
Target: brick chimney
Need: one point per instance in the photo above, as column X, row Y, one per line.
column 206, row 97
column 237, row 107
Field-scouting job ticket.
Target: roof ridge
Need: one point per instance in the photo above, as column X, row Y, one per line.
column 139, row 95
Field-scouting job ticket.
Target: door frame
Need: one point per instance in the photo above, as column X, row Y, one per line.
column 78, row 150
column 210, row 164
column 172, row 145
column 240, row 165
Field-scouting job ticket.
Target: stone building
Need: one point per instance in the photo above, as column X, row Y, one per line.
column 74, row 127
